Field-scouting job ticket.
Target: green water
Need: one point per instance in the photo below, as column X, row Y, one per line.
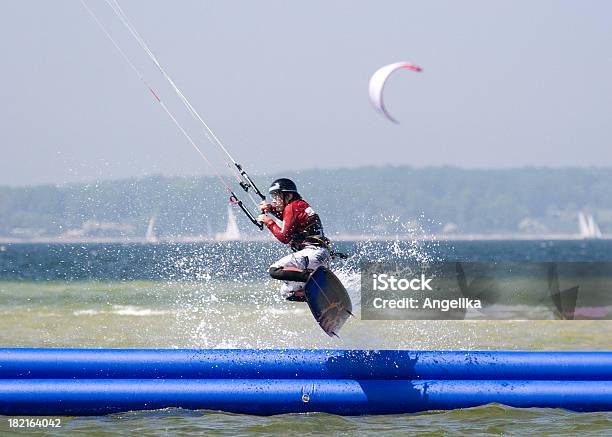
column 144, row 314
column 482, row 421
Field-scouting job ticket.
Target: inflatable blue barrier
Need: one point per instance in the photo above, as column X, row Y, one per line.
column 347, row 382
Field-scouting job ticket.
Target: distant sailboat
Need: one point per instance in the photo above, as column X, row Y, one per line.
column 150, row 236
column 593, row 228
column 583, row 225
column 232, row 232
column 587, row 226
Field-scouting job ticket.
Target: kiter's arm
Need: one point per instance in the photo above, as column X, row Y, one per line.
column 283, row 234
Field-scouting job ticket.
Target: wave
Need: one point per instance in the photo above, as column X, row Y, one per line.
column 124, row 310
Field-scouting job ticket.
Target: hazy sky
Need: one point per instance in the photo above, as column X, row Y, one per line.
column 284, row 85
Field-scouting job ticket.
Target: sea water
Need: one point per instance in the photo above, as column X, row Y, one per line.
column 218, row 295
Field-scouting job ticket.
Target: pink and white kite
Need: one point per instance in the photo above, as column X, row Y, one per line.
column 377, row 84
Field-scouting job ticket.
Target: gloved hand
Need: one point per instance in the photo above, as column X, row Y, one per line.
column 262, row 218
column 265, row 206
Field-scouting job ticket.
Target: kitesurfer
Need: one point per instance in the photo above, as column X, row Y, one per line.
column 302, row 230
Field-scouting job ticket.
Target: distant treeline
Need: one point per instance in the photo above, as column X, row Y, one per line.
column 371, row 200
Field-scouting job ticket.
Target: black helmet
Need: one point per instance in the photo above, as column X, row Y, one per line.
column 283, row 186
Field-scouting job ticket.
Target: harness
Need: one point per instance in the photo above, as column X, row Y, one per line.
column 312, row 234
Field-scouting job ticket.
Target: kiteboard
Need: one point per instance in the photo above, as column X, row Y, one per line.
column 328, row 300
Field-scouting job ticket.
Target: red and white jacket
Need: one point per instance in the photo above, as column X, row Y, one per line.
column 301, row 226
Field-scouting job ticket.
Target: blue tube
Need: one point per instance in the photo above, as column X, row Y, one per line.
column 348, row 382
column 267, row 397
column 305, row 364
